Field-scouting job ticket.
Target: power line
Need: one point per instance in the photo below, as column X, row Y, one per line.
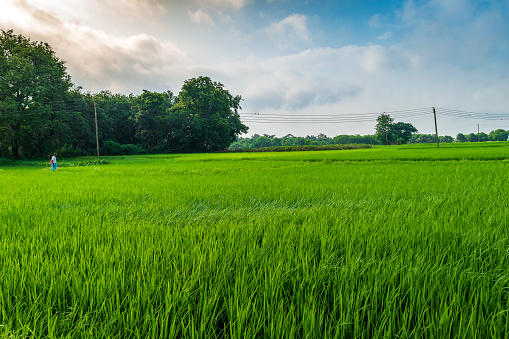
column 328, row 118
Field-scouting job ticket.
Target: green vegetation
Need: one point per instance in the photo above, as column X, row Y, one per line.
column 388, row 132
column 41, row 112
column 389, row 241
column 300, row 148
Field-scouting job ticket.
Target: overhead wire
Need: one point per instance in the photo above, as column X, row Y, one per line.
column 327, row 118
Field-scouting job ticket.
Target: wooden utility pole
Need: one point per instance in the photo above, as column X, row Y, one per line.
column 478, row 136
column 436, row 128
column 96, row 132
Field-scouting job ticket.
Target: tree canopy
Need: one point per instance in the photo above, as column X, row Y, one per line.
column 388, row 132
column 32, row 81
column 207, row 116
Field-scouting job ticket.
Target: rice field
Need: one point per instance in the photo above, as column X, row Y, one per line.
column 387, row 242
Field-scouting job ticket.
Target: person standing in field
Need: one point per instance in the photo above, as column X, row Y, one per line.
column 53, row 162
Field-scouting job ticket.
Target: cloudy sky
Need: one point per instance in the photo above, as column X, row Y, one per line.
column 300, row 64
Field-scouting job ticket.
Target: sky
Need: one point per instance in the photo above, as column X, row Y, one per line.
column 303, row 66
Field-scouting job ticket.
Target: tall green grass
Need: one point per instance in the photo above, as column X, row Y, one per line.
column 389, row 242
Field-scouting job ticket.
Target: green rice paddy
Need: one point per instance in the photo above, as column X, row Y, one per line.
column 387, row 242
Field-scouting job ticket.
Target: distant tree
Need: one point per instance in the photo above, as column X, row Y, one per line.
column 322, row 137
column 388, row 132
column 425, row 139
column 498, row 135
column 383, row 129
column 277, row 142
column 401, row 132
column 263, row 141
column 341, row 139
column 482, row 137
column 289, row 141
column 471, row 137
column 300, row 141
column 461, row 138
column 446, row 139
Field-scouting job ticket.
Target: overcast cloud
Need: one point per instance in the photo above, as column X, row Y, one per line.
column 288, row 58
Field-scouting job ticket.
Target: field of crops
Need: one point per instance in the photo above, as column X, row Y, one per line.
column 394, row 241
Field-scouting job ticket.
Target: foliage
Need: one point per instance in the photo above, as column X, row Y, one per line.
column 206, row 117
column 388, row 132
column 32, row 80
column 266, row 140
column 151, row 114
column 383, row 129
column 300, row 148
column 461, row 138
column 498, row 135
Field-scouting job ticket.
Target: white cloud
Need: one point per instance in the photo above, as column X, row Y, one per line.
column 145, row 9
column 201, row 17
column 376, row 20
column 408, row 12
column 101, row 60
column 235, row 4
column 385, row 36
column 290, row 32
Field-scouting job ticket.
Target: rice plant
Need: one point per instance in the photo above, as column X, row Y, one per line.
column 406, row 242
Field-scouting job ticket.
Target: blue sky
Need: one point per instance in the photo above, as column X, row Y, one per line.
column 290, row 58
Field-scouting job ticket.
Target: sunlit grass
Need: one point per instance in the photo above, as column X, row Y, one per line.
column 390, row 241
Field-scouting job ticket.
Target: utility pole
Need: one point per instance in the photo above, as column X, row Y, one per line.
column 96, row 132
column 436, row 128
column 478, row 136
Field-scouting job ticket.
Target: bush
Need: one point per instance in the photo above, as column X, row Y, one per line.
column 70, row 152
column 5, row 161
column 111, row 148
column 130, row 149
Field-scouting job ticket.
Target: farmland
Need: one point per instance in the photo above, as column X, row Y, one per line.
column 396, row 241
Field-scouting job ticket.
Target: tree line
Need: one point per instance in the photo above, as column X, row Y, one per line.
column 268, row 140
column 42, row 111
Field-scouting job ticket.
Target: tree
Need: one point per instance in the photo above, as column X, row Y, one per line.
column 498, row 135
column 482, row 137
column 263, row 141
column 33, row 82
column 446, row 139
column 401, row 132
column 461, row 138
column 151, row 115
column 471, row 137
column 211, row 121
column 383, row 128
column 388, row 132
column 425, row 139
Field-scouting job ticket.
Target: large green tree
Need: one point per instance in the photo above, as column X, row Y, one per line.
column 206, row 115
column 151, row 117
column 402, row 132
column 32, row 82
column 388, row 132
